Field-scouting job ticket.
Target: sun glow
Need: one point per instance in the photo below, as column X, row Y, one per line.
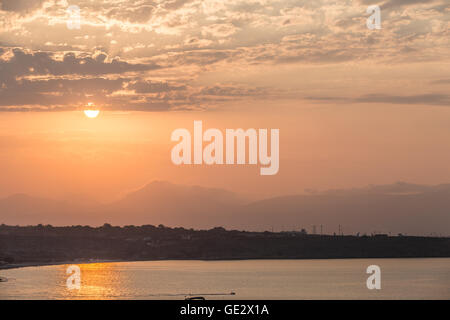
column 91, row 113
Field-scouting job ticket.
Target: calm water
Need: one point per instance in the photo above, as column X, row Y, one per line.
column 256, row 279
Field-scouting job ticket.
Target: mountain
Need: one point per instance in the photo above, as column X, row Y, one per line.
column 22, row 209
column 156, row 203
column 396, row 208
column 176, row 205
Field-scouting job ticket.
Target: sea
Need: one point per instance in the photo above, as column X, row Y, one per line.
column 427, row 278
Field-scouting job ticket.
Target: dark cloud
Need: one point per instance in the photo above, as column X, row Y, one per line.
column 153, row 87
column 419, row 99
column 202, row 57
column 396, row 3
column 70, row 94
column 142, row 95
column 401, row 3
column 69, row 85
column 20, row 6
column 318, row 56
column 441, row 81
column 13, row 99
column 44, row 63
column 37, row 109
column 55, row 92
column 428, row 99
column 232, row 91
column 330, row 99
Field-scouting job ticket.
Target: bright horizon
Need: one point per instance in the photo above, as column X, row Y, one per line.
column 63, row 154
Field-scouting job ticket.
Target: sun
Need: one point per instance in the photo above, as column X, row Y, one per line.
column 91, row 112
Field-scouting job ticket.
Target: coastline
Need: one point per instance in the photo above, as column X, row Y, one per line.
column 31, row 246
column 93, row 261
column 43, row 264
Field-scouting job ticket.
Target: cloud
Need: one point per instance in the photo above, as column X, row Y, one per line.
column 403, row 3
column 43, row 81
column 233, row 91
column 20, row 6
column 397, row 3
column 437, row 99
column 174, row 4
column 219, row 30
column 201, row 57
column 441, row 81
column 132, row 11
column 148, row 54
column 427, row 99
column 22, row 63
column 154, row 87
column 57, row 92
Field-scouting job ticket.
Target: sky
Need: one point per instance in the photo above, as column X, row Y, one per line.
column 354, row 106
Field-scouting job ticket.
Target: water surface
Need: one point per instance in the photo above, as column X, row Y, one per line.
column 251, row 279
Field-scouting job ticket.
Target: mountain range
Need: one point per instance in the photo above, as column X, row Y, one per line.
column 397, row 208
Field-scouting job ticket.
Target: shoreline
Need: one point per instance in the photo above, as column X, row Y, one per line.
column 44, row 264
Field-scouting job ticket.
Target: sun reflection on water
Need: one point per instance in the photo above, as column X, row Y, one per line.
column 98, row 281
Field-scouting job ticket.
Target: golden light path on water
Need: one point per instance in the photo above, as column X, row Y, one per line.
column 99, row 281
column 258, row 279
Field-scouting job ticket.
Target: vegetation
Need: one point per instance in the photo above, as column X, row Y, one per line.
column 48, row 244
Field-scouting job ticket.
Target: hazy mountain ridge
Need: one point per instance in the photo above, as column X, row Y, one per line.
column 172, row 204
column 22, row 209
column 400, row 207
column 364, row 211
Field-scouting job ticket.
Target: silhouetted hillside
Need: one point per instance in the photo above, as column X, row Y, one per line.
column 47, row 244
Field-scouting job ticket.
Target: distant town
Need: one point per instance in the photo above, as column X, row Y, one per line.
column 38, row 245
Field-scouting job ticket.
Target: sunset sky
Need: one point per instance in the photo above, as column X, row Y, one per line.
column 354, row 106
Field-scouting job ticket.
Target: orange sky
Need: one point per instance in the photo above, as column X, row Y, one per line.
column 67, row 155
column 354, row 106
